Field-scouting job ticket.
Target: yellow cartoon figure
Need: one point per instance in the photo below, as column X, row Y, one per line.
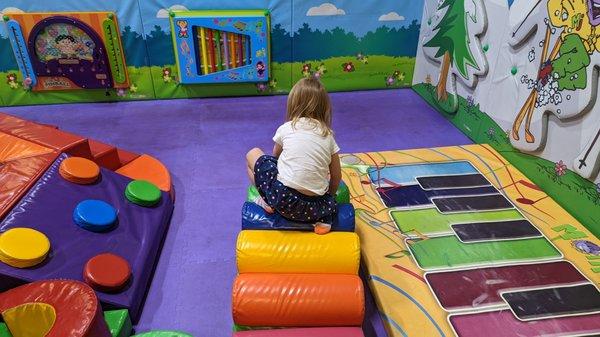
column 183, row 28
column 573, row 17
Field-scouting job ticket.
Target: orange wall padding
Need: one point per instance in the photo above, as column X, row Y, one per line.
column 298, row 300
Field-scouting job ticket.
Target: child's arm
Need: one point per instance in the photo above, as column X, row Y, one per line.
column 335, row 171
column 277, row 150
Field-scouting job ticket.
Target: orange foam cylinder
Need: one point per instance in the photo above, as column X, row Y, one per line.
column 298, row 300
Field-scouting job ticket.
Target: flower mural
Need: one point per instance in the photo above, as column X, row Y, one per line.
column 348, row 67
column 560, row 168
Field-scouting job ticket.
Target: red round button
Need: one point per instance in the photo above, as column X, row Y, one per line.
column 107, row 272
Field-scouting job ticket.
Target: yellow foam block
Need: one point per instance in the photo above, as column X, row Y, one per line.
column 30, row 319
column 297, row 252
column 23, row 247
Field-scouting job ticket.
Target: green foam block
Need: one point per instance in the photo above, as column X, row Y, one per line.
column 4, row 331
column 142, row 193
column 118, row 322
column 252, row 193
column 342, row 196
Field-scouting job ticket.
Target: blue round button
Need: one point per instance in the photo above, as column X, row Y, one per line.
column 95, row 215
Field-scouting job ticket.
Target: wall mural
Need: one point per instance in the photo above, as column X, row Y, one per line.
column 564, row 44
column 452, row 39
column 537, row 102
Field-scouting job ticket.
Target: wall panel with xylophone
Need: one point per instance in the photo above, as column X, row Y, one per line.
column 221, row 46
column 68, row 50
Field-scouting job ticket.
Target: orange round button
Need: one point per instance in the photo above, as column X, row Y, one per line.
column 107, row 272
column 79, row 170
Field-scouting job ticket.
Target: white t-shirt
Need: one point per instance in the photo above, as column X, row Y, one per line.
column 304, row 161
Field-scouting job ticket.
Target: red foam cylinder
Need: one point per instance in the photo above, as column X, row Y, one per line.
column 298, row 300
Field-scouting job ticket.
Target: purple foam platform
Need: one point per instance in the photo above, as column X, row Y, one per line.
column 48, row 207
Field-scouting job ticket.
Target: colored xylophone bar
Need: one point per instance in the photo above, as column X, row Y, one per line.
column 220, row 50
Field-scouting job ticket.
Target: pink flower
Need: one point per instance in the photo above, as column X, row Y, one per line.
column 261, row 87
column 121, row 93
column 560, row 168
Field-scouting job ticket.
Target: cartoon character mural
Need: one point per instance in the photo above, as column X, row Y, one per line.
column 260, row 69
column 564, row 85
column 453, row 40
column 183, row 28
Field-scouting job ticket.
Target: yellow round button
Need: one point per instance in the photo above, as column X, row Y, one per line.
column 23, row 247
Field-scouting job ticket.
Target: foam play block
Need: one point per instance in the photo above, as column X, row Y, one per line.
column 107, row 272
column 23, row 247
column 119, row 323
column 298, row 300
column 105, row 155
column 143, row 193
column 17, row 176
column 49, row 137
column 125, row 157
column 79, row 170
column 14, row 148
column 297, row 252
column 58, row 307
column 148, row 168
column 255, row 217
column 95, row 215
column 303, row 332
column 4, row 331
column 48, row 207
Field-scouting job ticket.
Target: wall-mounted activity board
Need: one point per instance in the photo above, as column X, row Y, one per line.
column 68, row 50
column 221, row 46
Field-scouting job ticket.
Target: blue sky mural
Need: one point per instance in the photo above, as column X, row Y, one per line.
column 358, row 16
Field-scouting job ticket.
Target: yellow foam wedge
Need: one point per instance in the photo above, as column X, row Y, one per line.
column 30, row 319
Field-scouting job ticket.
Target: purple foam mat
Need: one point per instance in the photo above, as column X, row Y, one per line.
column 48, row 207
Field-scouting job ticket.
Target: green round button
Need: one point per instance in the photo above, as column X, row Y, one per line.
column 143, row 193
column 514, row 70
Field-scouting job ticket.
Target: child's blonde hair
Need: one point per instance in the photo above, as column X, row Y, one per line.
column 308, row 98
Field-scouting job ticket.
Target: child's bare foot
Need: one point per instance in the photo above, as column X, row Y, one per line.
column 322, row 228
column 262, row 203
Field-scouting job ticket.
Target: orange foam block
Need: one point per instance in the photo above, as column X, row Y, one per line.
column 298, row 300
column 148, row 168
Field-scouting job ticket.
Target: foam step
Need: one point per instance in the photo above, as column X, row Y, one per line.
column 298, row 300
column 148, row 168
column 297, row 252
column 105, row 155
column 255, row 217
column 303, row 332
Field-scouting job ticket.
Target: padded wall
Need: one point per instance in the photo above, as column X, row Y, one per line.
column 526, row 83
column 309, row 38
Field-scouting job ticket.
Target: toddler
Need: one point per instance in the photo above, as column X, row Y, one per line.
column 301, row 177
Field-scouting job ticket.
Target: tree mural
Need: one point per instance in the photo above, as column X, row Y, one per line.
column 456, row 42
